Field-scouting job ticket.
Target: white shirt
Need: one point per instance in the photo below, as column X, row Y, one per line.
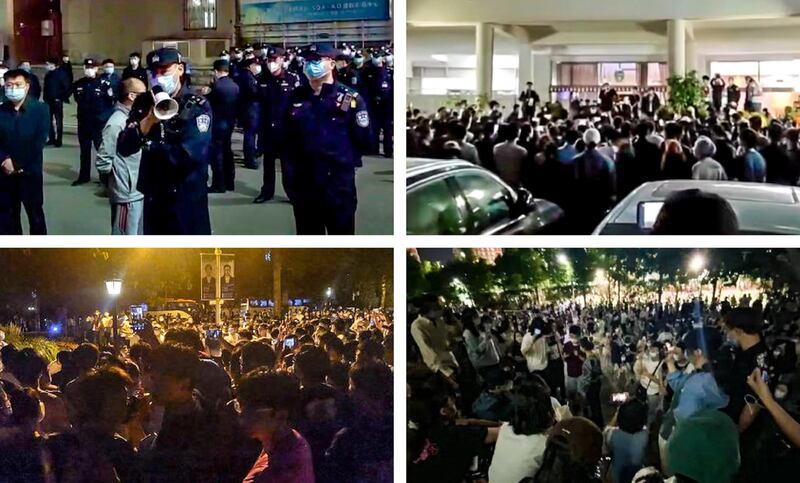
column 709, row 169
column 535, row 352
column 516, row 456
column 432, row 342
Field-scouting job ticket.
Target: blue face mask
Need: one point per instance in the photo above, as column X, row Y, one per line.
column 358, row 61
column 26, row 68
column 108, row 70
column 315, row 69
column 167, row 82
column 15, row 94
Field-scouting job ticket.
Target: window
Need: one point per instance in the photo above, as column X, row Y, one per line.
column 182, row 46
column 489, row 201
column 200, row 15
column 433, row 210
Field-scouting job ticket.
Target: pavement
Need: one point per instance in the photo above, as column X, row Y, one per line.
column 82, row 210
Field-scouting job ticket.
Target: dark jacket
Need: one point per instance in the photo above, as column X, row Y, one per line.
column 23, row 134
column 56, row 85
column 224, row 97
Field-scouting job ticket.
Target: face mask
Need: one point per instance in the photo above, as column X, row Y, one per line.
column 376, row 61
column 315, row 69
column 15, row 94
column 90, row 73
column 347, row 51
column 108, row 70
column 390, row 60
column 167, row 82
column 226, row 57
column 274, row 67
column 51, row 67
column 65, row 59
column 26, row 68
column 239, row 56
column 257, row 70
column 358, row 61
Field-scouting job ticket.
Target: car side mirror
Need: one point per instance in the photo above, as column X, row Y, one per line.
column 525, row 201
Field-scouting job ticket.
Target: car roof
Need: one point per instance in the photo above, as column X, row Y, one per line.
column 417, row 169
column 759, row 207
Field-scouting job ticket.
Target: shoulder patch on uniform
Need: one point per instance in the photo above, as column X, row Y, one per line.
column 203, row 122
column 297, row 104
column 362, row 118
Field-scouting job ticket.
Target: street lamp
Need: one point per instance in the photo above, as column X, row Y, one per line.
column 114, row 289
column 562, row 259
column 697, row 264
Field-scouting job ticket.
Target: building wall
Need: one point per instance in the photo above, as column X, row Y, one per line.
column 115, row 28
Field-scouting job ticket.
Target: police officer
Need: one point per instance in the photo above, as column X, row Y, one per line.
column 380, row 95
column 174, row 170
column 250, row 109
column 236, row 63
column 275, row 89
column 134, row 68
column 92, row 101
column 356, row 73
column 56, row 89
column 327, row 130
column 223, row 97
column 66, row 65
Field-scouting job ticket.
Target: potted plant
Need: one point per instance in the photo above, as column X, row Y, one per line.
column 684, row 92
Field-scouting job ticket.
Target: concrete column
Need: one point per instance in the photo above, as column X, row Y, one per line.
column 525, row 65
column 676, row 38
column 542, row 75
column 691, row 57
column 484, row 54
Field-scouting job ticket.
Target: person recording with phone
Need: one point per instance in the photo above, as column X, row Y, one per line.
column 481, row 344
column 174, row 136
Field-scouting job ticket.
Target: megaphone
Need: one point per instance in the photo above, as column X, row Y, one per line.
column 165, row 107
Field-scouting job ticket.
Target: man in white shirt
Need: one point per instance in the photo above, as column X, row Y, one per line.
column 431, row 338
column 509, row 156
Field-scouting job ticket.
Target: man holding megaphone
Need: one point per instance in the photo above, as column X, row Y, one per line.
column 172, row 128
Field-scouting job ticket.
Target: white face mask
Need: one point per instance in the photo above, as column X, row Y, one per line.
column 274, row 67
column 256, row 70
column 90, row 73
column 51, row 67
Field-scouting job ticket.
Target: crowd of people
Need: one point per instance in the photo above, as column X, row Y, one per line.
column 156, row 135
column 306, row 397
column 691, row 391
column 606, row 147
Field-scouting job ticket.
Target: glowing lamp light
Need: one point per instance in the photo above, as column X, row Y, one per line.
column 697, row 264
column 114, row 287
column 562, row 259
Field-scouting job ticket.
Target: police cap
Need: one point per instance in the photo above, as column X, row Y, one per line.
column 163, row 58
column 276, row 52
column 89, row 63
column 317, row 51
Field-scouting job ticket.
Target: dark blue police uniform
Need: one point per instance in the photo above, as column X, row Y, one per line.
column 173, row 174
column 56, row 90
column 92, row 99
column 223, row 98
column 326, row 136
column 250, row 114
column 275, row 93
column 381, row 108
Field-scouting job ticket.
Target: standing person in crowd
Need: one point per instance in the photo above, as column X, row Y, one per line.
column 752, row 95
column 250, row 110
column 529, row 99
column 23, row 133
column 734, row 94
column 626, row 439
column 650, row 103
column 574, row 447
column 508, row 156
column 134, row 68
column 717, row 88
column 328, row 130
column 429, row 335
column 223, row 97
column 276, row 90
column 93, row 102
column 755, row 167
column 174, row 169
column 608, row 98
column 589, row 382
column 266, row 400
column 122, row 172
column 707, row 167
column 57, row 87
column 648, row 368
column 594, row 177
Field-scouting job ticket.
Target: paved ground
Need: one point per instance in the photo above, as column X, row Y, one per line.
column 82, row 211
